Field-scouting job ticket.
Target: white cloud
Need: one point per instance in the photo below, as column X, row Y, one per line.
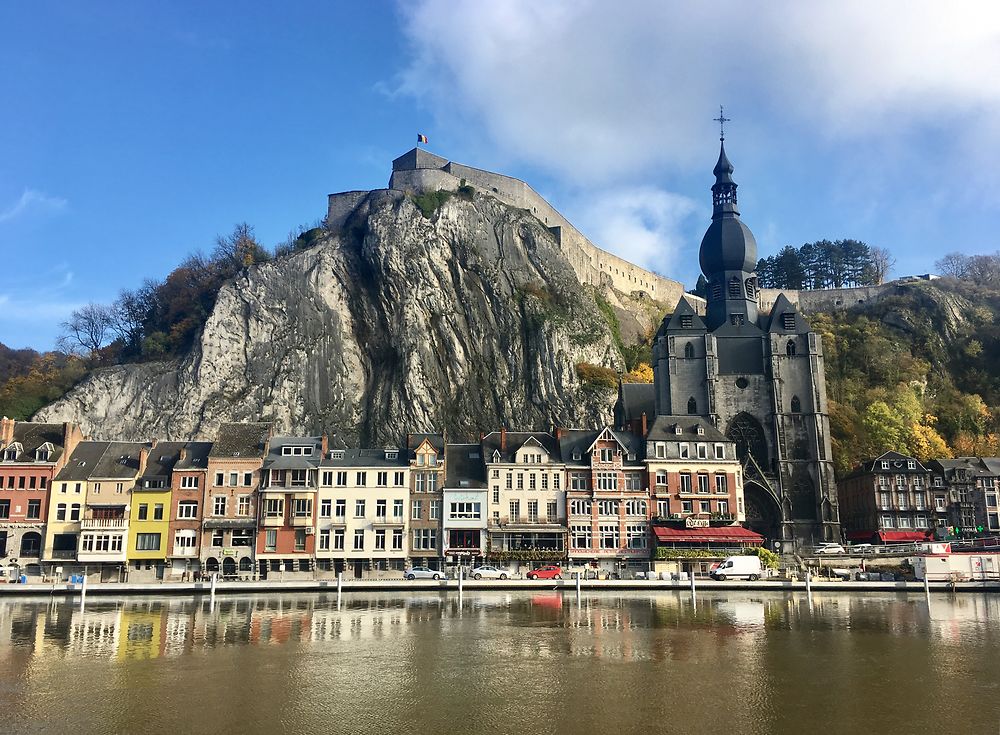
column 601, row 91
column 642, row 224
column 32, row 201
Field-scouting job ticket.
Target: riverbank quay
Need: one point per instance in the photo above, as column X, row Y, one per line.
column 451, row 586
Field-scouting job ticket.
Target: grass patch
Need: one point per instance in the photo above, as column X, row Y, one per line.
column 431, row 201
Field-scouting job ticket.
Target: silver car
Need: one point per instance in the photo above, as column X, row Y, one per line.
column 489, row 572
column 422, row 573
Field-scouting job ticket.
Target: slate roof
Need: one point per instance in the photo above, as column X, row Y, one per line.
column 82, row 461
column 244, row 440
column 776, row 323
column 415, row 440
column 196, row 457
column 664, row 428
column 897, row 465
column 275, row 460
column 31, row 436
column 366, row 458
column 120, row 461
column 634, row 400
column 464, row 466
column 583, row 439
column 162, row 459
column 672, row 322
column 517, row 439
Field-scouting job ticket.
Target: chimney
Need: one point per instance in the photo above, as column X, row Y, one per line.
column 645, row 427
column 143, row 459
column 558, row 433
column 6, row 430
column 184, row 454
column 152, row 443
column 324, row 444
column 71, row 437
column 503, row 439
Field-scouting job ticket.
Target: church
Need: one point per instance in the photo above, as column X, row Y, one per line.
column 758, row 377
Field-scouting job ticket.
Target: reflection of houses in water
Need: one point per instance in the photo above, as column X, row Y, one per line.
column 142, row 627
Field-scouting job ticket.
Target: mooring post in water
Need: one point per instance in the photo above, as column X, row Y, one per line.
column 809, row 591
column 83, row 590
column 927, row 586
column 340, row 585
column 692, row 580
column 578, row 575
column 211, row 599
column 461, row 576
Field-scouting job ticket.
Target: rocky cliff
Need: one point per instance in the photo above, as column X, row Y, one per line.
column 463, row 320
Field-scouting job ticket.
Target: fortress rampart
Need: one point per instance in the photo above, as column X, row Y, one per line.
column 420, row 171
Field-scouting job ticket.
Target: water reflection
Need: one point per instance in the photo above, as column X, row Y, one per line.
column 498, row 657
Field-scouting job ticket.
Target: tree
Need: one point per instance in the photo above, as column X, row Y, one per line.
column 953, row 265
column 238, row 250
column 882, row 263
column 87, row 329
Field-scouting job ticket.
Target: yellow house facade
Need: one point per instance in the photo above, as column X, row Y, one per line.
column 149, row 514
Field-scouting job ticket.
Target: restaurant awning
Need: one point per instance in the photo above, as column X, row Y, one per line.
column 732, row 535
column 904, row 536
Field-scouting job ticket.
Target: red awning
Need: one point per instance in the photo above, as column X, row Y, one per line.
column 889, row 536
column 713, row 535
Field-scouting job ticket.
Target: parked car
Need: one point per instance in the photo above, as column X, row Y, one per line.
column 489, row 572
column 546, row 572
column 862, row 549
column 422, row 573
column 736, row 567
column 829, row 548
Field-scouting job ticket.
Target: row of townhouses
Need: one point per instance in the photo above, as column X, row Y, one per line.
column 249, row 503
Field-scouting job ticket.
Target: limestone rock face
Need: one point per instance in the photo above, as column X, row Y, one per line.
column 466, row 321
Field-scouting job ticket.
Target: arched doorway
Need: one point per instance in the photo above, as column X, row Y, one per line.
column 229, row 567
column 762, row 512
column 246, row 565
column 31, row 544
column 211, row 565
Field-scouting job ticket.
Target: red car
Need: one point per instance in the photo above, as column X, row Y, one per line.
column 548, row 572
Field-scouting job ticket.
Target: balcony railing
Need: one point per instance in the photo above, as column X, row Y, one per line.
column 99, row 523
column 63, row 554
column 301, row 521
column 185, row 551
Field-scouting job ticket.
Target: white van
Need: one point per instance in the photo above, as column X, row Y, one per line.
column 739, row 567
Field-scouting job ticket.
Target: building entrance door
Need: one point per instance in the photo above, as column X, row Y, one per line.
column 359, row 569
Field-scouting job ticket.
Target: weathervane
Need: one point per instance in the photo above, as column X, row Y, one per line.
column 722, row 120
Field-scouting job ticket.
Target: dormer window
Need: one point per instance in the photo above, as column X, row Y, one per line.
column 885, row 465
column 336, row 454
column 43, row 453
column 788, row 321
column 678, row 430
column 11, row 452
column 687, row 321
column 911, row 465
column 496, row 455
column 577, row 455
column 700, row 430
column 631, row 456
column 292, row 451
column 391, row 454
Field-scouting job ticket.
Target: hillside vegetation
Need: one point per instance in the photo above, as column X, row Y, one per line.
column 915, row 372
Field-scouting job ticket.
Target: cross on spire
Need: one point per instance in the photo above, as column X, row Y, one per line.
column 722, row 120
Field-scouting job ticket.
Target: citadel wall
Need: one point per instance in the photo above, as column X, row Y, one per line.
column 828, row 299
column 419, row 171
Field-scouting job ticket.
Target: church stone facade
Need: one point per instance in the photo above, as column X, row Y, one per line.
column 758, row 377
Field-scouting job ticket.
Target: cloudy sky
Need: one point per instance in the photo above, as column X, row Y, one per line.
column 133, row 133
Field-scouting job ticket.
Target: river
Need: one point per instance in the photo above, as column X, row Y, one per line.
column 524, row 662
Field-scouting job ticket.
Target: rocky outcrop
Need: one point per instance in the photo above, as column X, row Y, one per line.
column 464, row 321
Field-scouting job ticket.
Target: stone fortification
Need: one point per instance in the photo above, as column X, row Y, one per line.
column 828, row 299
column 420, row 171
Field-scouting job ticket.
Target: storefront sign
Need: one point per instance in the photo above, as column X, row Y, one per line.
column 692, row 522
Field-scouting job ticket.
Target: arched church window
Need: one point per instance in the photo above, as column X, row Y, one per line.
column 748, row 434
column 796, row 405
column 689, row 350
column 750, row 288
column 790, row 348
column 692, row 405
column 735, row 288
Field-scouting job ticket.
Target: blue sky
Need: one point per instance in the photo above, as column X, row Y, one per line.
column 133, row 133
